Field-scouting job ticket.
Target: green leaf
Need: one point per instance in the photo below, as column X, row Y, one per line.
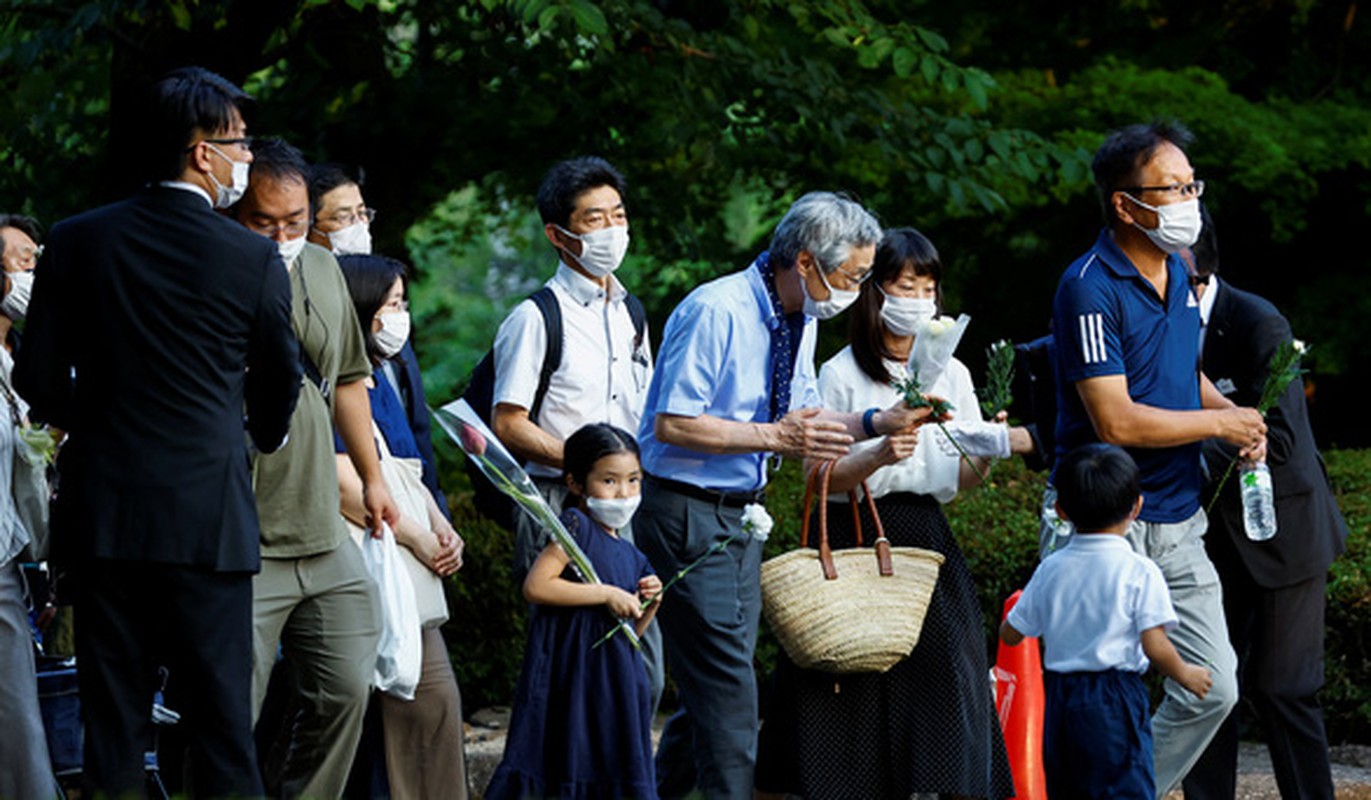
column 904, row 60
column 589, row 18
column 180, row 15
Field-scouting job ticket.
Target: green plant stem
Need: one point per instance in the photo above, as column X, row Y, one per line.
column 963, row 452
column 680, row 573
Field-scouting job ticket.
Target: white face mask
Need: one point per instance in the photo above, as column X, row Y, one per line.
column 354, row 239
column 393, row 334
column 226, row 196
column 904, row 316
column 1178, row 224
column 838, row 299
column 613, row 512
column 291, row 249
column 16, row 302
column 602, row 250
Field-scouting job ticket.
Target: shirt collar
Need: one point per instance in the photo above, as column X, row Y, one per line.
column 1207, row 299
column 1122, row 266
column 188, row 187
column 582, row 289
column 1098, row 541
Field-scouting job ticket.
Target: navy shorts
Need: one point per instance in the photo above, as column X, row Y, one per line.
column 1097, row 738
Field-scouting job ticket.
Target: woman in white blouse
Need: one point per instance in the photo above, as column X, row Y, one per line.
column 928, row 725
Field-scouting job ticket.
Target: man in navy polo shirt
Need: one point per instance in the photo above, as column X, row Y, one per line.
column 1126, row 329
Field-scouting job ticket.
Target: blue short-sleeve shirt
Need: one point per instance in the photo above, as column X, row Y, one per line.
column 1107, row 319
column 715, row 359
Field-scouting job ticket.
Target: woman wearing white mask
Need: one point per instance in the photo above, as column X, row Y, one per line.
column 928, row 725
column 423, row 737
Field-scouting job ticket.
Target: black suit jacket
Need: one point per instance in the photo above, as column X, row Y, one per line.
column 1243, row 333
column 154, row 323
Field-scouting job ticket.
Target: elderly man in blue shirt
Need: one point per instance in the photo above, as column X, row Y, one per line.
column 735, row 384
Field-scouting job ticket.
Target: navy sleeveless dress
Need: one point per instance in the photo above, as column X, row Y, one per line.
column 581, row 722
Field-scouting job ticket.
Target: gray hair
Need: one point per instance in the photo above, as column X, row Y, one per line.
column 827, row 226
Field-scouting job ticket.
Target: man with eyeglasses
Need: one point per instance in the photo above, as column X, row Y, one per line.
column 1126, row 329
column 342, row 220
column 155, row 324
column 313, row 596
column 19, row 252
column 735, row 384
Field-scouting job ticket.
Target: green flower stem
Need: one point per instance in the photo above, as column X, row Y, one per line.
column 680, row 573
column 578, row 558
column 965, row 457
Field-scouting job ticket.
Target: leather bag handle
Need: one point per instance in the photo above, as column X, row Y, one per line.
column 818, row 479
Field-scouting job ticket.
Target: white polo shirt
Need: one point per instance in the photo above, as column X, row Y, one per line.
column 600, row 379
column 1090, row 602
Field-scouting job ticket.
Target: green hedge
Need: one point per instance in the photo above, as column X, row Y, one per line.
column 997, row 527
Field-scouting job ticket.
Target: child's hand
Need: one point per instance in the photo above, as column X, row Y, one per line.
column 649, row 587
column 621, row 603
column 1196, row 679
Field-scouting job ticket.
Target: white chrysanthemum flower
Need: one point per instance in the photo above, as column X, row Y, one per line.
column 756, row 521
column 1300, row 346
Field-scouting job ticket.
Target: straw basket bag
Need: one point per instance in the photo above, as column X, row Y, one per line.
column 850, row 610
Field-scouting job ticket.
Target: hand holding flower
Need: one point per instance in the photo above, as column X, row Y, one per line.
column 649, row 589
column 620, row 603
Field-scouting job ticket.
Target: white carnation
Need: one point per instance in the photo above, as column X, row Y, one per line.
column 756, row 521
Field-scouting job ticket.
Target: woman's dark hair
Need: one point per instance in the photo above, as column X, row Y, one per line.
column 591, row 443
column 900, row 248
column 369, row 278
column 1097, row 486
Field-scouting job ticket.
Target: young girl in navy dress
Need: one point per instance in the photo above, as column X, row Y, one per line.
column 581, row 724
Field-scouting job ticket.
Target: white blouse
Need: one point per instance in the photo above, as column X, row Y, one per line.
column 930, row 470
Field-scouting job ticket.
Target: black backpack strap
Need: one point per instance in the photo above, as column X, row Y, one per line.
column 312, row 372
column 546, row 301
column 638, row 314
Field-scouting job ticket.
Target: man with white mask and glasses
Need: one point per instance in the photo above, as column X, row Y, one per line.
column 313, row 597
column 735, row 384
column 342, row 220
column 155, row 325
column 1126, row 329
column 19, row 252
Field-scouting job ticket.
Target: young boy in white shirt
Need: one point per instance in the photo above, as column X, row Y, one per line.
column 1102, row 611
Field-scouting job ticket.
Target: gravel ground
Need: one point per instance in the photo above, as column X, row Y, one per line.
column 1351, row 763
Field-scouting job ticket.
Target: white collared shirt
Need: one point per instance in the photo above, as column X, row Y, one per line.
column 1207, row 306
column 931, row 470
column 600, row 379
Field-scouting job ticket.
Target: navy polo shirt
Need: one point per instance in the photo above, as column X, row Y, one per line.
column 1107, row 319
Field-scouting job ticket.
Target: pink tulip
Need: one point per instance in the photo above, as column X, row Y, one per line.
column 472, row 440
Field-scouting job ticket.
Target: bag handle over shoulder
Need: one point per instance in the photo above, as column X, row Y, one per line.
column 818, row 479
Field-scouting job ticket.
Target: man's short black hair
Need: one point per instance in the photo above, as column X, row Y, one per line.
column 183, row 101
column 1097, row 486
column 26, row 225
column 568, row 180
column 1125, row 151
column 278, row 160
column 324, row 178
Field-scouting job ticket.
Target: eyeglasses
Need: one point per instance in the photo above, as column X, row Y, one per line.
column 1183, row 190
column 348, row 218
column 856, row 280
column 292, row 230
column 244, row 142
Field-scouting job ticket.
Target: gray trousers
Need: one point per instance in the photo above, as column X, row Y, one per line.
column 1183, row 724
column 709, row 626
column 25, row 770
column 324, row 612
column 529, row 541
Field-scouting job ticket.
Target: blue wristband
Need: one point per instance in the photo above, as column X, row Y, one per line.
column 867, row 424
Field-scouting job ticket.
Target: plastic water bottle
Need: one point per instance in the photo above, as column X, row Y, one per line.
column 1258, row 501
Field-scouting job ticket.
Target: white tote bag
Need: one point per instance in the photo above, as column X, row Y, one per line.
column 399, row 655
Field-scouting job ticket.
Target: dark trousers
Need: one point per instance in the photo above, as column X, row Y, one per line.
column 709, row 626
column 1278, row 635
column 134, row 617
column 1097, row 740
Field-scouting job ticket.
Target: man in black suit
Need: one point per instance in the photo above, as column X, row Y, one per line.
column 1273, row 590
column 154, row 323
